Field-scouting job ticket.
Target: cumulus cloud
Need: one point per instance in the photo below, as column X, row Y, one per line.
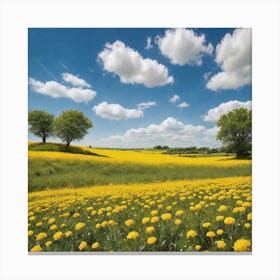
column 169, row 132
column 234, row 56
column 131, row 67
column 57, row 90
column 174, row 98
column 183, row 46
column 183, row 105
column 74, row 80
column 214, row 114
column 148, row 44
column 146, row 105
column 116, row 112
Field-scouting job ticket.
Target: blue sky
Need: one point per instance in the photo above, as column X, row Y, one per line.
column 141, row 87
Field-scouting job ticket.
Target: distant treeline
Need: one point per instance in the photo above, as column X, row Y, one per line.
column 192, row 150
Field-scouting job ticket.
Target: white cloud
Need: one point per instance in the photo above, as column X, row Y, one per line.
column 234, row 56
column 116, row 112
column 57, row 90
column 170, row 132
column 174, row 98
column 146, row 105
column 183, row 46
column 131, row 67
column 214, row 114
column 148, row 44
column 183, row 105
column 74, row 80
column 206, row 75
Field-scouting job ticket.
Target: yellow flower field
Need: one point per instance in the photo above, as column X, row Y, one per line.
column 143, row 157
column 188, row 215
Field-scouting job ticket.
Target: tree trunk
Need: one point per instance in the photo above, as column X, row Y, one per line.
column 67, row 144
column 44, row 139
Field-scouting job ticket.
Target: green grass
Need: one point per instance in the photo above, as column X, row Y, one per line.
column 54, row 147
column 51, row 174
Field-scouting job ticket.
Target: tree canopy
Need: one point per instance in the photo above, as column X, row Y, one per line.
column 236, row 131
column 40, row 123
column 71, row 125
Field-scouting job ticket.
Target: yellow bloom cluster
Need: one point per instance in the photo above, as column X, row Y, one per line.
column 187, row 215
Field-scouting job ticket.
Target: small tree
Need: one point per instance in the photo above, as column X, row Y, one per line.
column 236, row 131
column 40, row 123
column 71, row 125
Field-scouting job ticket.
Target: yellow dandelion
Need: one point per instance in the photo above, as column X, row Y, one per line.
column 151, row 240
column 198, row 207
column 79, row 226
column 242, row 209
column 150, row 229
column 97, row 226
column 154, row 213
column 154, row 219
column 166, row 216
column 249, row 217
column 39, row 224
column 177, row 222
column 112, row 223
column 241, row 245
column 221, row 244
column 51, row 220
column 132, row 235
column 48, row 243
column 179, row 213
column 191, row 234
column 229, row 221
column 197, row 247
column 68, row 233
column 219, row 232
column 76, row 215
column 129, row 222
column 219, row 218
column 82, row 245
column 206, row 225
column 168, row 208
column 104, row 224
column 36, row 248
column 211, row 234
column 57, row 235
column 222, row 208
column 95, row 245
column 53, row 227
column 30, row 232
column 41, row 236
column 247, row 225
column 145, row 220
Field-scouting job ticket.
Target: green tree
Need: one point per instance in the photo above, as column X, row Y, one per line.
column 236, row 131
column 40, row 123
column 71, row 125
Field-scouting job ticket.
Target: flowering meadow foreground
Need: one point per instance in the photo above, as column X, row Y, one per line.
column 194, row 215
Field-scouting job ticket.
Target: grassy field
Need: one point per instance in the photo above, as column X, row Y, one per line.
column 57, row 173
column 136, row 200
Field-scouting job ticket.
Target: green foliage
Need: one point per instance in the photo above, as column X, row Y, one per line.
column 40, row 123
column 236, row 131
column 202, row 151
column 71, row 125
column 55, row 173
column 159, row 147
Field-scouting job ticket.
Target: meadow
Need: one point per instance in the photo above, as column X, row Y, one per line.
column 137, row 200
